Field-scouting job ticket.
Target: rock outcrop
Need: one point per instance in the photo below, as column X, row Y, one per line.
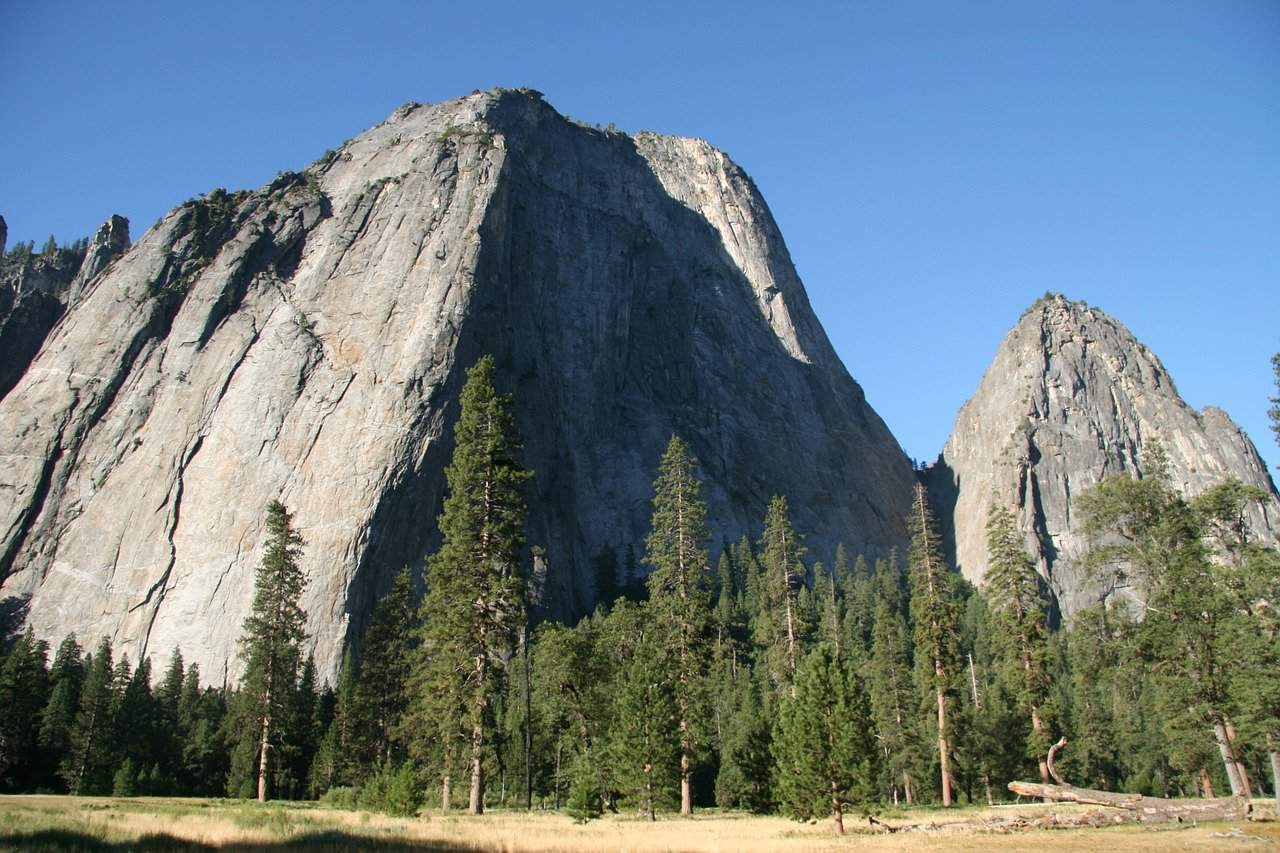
column 306, row 342
column 1072, row 397
column 35, row 290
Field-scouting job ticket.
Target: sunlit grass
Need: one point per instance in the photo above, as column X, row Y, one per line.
column 76, row 824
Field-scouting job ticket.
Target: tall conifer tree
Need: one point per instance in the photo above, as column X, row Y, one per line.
column 645, row 739
column 679, row 593
column 475, row 591
column 86, row 766
column 385, row 668
column 1021, row 632
column 778, row 628
column 271, row 645
column 934, row 610
column 823, row 744
column 891, row 692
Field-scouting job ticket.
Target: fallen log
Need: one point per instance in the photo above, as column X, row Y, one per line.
column 1146, row 809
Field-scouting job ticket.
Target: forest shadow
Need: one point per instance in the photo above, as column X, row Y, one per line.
column 68, row 841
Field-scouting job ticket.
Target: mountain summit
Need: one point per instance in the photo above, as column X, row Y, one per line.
column 307, row 342
column 1070, row 398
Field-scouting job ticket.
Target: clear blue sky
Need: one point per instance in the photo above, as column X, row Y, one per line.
column 934, row 166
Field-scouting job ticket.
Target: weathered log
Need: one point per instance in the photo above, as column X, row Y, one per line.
column 1147, row 809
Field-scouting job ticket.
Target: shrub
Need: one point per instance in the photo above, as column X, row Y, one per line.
column 584, row 794
column 391, row 790
column 341, row 798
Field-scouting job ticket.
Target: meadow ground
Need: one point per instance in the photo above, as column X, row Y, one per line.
column 58, row 823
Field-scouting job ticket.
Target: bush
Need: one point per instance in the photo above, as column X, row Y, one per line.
column 584, row 794
column 392, row 791
column 125, row 783
column 341, row 798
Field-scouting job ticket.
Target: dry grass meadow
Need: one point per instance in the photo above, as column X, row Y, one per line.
column 58, row 823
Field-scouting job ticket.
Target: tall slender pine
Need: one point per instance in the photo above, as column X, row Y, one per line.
column 475, row 591
column 934, row 609
column 271, row 644
column 679, row 592
column 1021, row 635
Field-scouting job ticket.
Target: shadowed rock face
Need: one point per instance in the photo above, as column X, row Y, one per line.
column 1072, row 397
column 307, row 341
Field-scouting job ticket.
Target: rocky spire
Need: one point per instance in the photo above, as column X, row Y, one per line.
column 1072, row 397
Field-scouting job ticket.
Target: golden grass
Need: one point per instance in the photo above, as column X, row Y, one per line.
column 87, row 823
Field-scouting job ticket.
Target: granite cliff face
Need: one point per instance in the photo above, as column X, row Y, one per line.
column 306, row 342
column 1072, row 397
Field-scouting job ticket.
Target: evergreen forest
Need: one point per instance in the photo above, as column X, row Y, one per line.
column 751, row 675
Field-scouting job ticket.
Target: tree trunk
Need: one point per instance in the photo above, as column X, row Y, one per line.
column 446, row 792
column 648, row 798
column 1275, row 777
column 686, row 792
column 1245, row 787
column 475, row 804
column 837, row 816
column 1037, row 726
column 556, row 798
column 791, row 629
column 943, row 758
column 528, row 717
column 907, row 790
column 1228, row 758
column 264, row 755
column 1147, row 809
column 1206, row 784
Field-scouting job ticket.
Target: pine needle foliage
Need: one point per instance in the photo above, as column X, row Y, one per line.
column 778, row 626
column 823, row 744
column 1020, row 632
column 475, row 591
column 934, row 607
column 680, row 595
column 271, row 642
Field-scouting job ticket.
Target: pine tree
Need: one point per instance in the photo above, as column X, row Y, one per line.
column 933, row 608
column 1093, row 757
column 891, row 692
column 24, row 690
column 475, row 592
column 271, row 645
column 1148, row 533
column 205, row 759
column 1020, row 627
column 823, row 745
column 134, row 715
column 385, row 668
column 66, row 680
column 645, row 739
column 679, row 595
column 302, row 740
column 85, row 767
column 170, row 731
column 778, row 629
column 746, row 762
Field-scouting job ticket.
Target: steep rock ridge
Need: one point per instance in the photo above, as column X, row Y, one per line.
column 35, row 290
column 307, row 341
column 1070, row 398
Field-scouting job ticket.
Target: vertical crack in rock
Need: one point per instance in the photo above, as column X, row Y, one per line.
column 175, row 516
